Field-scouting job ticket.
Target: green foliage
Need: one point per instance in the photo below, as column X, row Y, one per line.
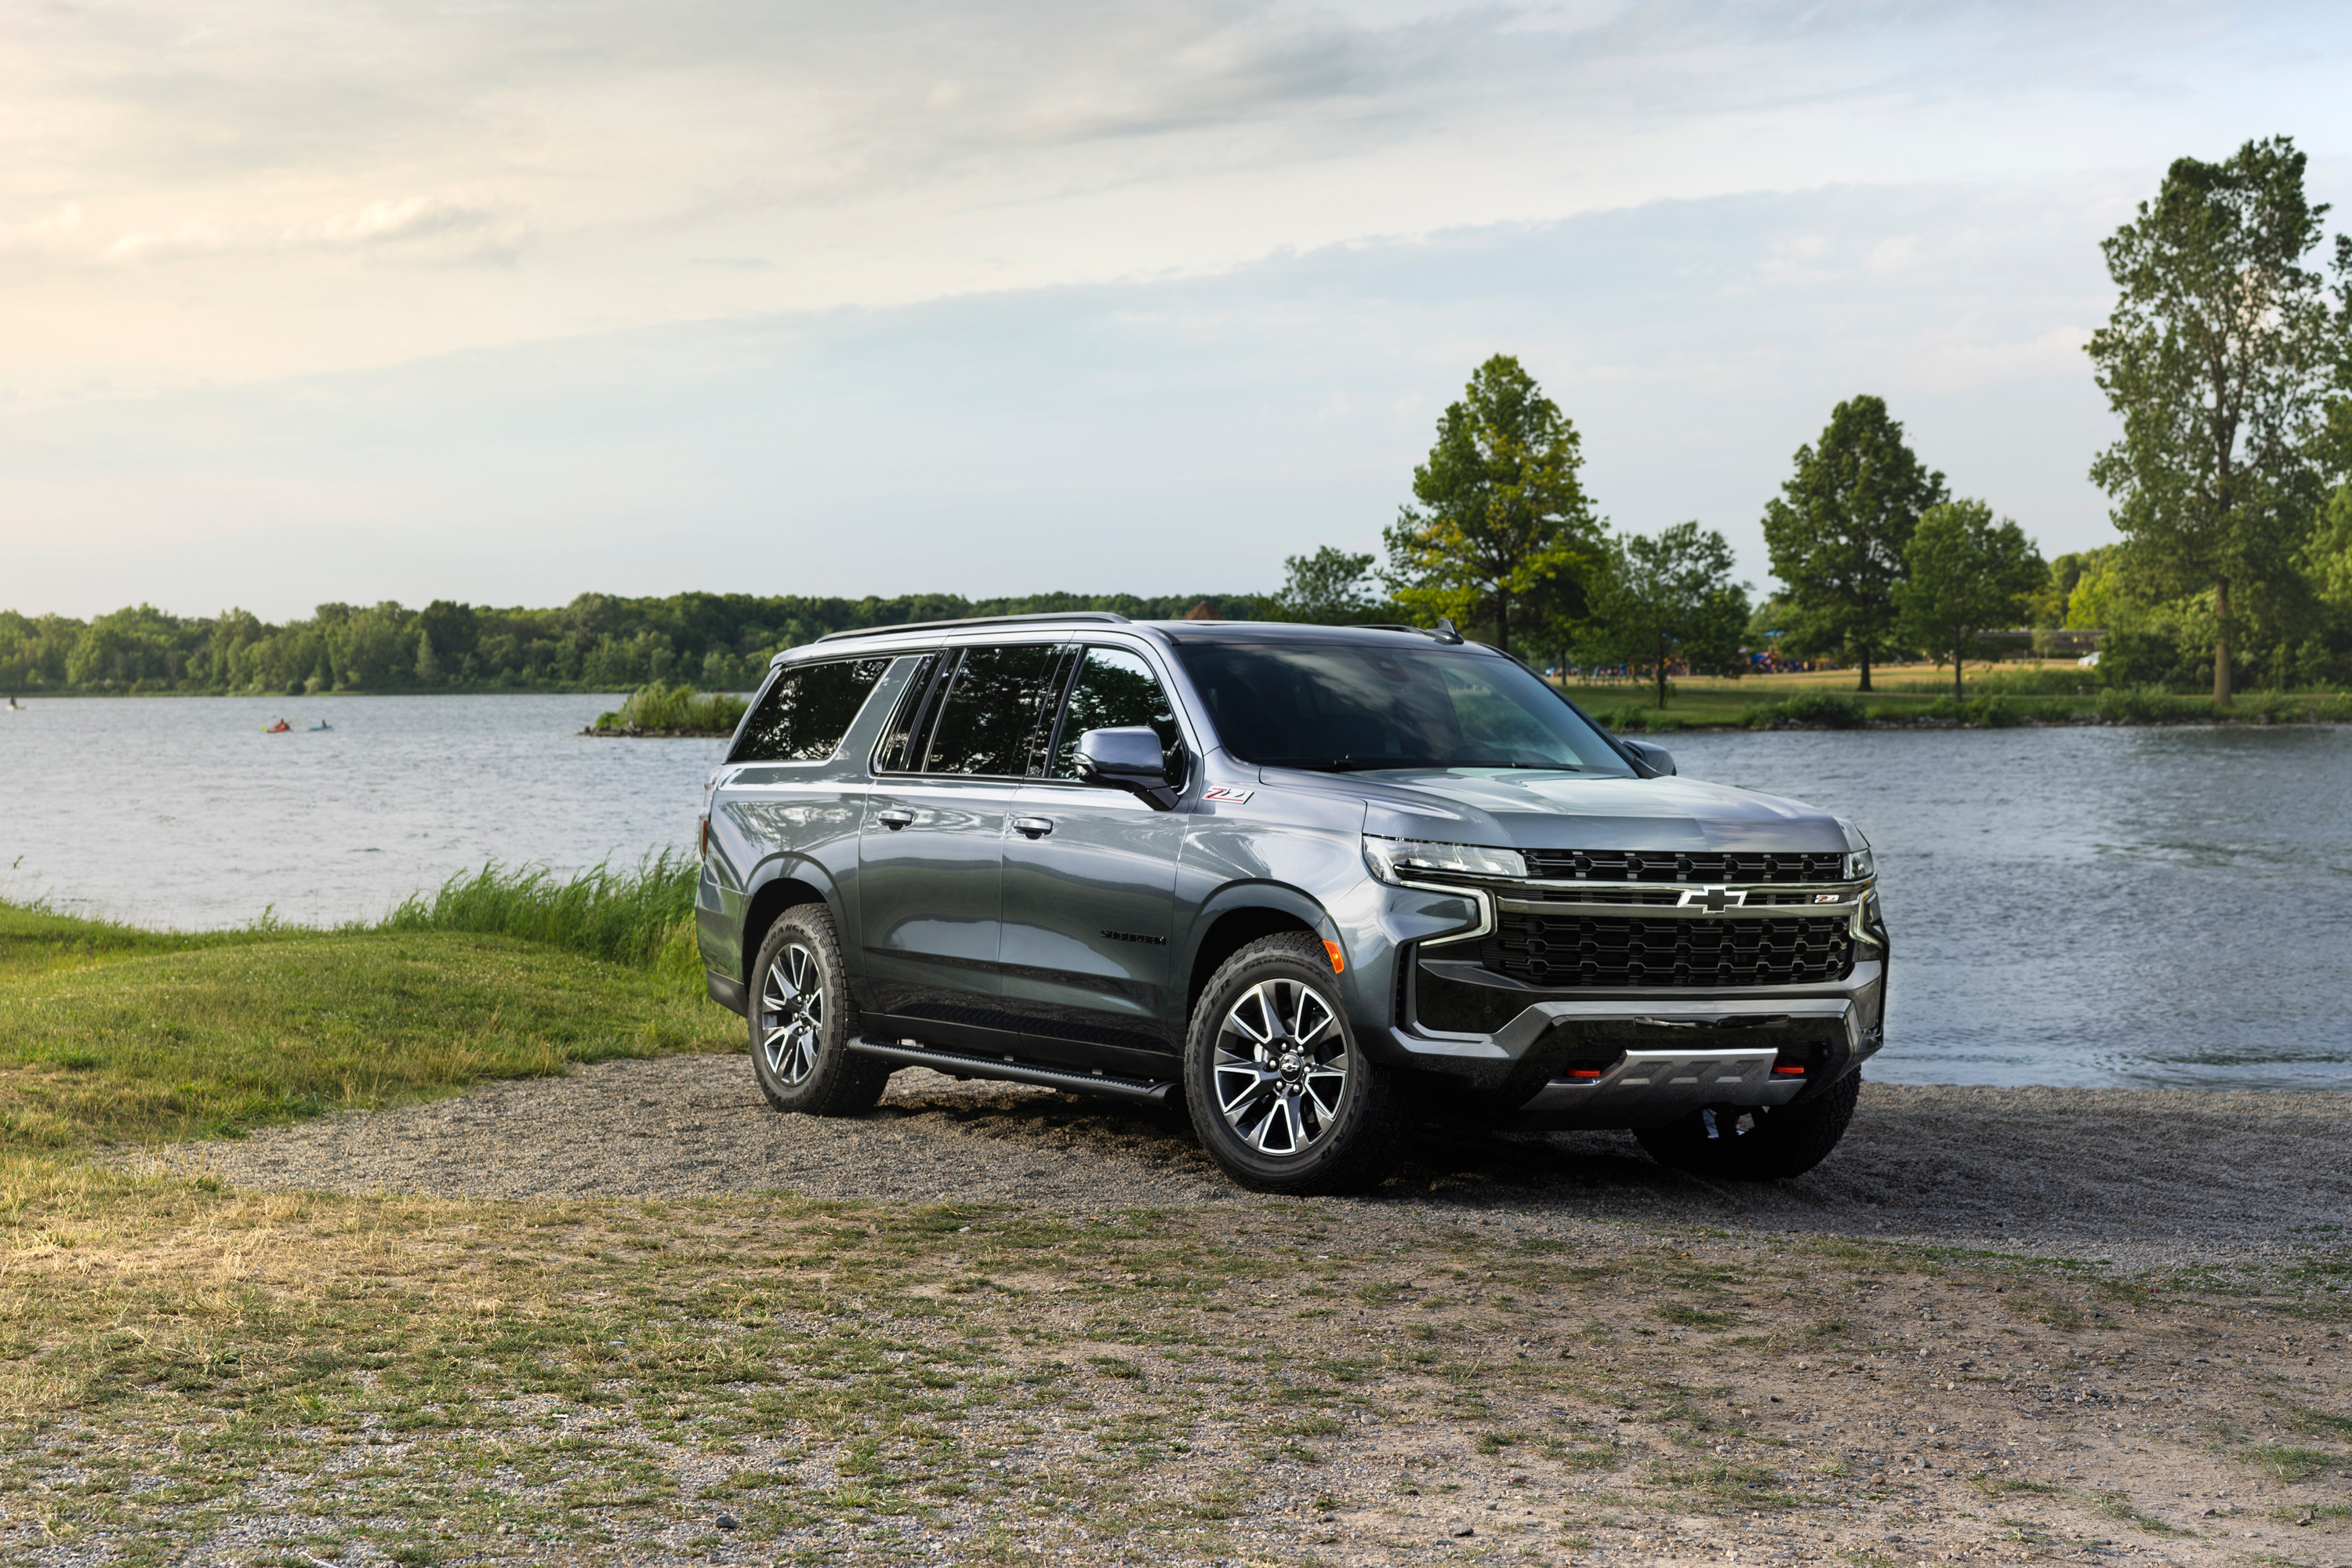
column 2217, row 359
column 2144, row 705
column 1839, row 529
column 1330, row 588
column 718, row 642
column 1503, row 528
column 1669, row 597
column 1812, row 710
column 1967, row 574
column 677, row 708
column 643, row 916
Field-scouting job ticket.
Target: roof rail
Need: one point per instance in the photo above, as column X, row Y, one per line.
column 1444, row 632
column 1109, row 616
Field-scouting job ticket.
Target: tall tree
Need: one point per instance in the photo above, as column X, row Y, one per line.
column 1672, row 597
column 1503, row 525
column 1332, row 587
column 2219, row 360
column 1838, row 529
column 1968, row 575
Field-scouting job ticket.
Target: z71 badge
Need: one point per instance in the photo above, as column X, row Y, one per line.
column 1235, row 797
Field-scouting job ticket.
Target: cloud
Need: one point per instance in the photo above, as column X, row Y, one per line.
column 393, row 221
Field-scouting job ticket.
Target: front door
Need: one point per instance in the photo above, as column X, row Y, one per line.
column 930, row 851
column 1089, row 889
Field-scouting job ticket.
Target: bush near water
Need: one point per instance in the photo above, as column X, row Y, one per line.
column 674, row 711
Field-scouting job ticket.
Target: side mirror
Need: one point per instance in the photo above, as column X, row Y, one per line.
column 1126, row 758
column 1657, row 758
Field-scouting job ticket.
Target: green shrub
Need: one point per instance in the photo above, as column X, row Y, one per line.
column 2147, row 705
column 676, row 707
column 1814, row 710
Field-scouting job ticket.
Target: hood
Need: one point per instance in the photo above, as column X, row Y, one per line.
column 1565, row 811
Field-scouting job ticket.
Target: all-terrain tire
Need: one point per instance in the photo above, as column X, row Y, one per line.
column 1759, row 1143
column 1278, row 1091
column 801, row 1022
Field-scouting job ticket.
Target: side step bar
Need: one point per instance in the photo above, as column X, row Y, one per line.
column 963, row 1064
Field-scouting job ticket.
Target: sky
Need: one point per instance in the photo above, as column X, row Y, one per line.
column 504, row 302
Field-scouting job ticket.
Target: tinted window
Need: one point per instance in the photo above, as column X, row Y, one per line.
column 807, row 712
column 990, row 711
column 1114, row 689
column 915, row 708
column 1341, row 705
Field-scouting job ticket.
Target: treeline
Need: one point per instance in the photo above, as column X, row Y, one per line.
column 2227, row 361
column 718, row 642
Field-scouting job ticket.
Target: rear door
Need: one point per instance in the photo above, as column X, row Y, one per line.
column 1089, row 886
column 931, row 853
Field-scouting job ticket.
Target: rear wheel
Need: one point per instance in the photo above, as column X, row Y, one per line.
column 801, row 1022
column 1277, row 1090
column 1756, row 1142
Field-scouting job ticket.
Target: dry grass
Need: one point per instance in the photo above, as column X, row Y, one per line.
column 184, row 1369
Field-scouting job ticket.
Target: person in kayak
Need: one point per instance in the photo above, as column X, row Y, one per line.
column 280, row 727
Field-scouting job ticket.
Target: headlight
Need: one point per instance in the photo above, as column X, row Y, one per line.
column 1858, row 865
column 1400, row 859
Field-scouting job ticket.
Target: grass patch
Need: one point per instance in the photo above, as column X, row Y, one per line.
column 2289, row 1463
column 643, row 916
column 110, row 1034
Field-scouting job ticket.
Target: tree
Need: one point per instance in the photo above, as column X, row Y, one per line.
column 1672, row 597
column 1503, row 525
column 1838, row 529
column 1328, row 588
column 2219, row 359
column 1968, row 575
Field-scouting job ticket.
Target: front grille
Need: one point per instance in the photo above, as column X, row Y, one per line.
column 1558, row 951
column 1669, row 866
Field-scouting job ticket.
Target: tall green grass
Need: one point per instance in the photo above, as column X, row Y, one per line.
column 676, row 707
column 643, row 916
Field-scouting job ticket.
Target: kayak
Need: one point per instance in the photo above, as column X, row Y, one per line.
column 280, row 727
column 316, row 727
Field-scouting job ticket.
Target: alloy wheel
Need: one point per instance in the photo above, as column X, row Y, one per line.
column 792, row 1015
column 1281, row 1066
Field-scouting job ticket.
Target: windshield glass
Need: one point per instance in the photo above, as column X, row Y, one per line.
column 1346, row 705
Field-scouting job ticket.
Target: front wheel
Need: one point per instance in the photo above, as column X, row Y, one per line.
column 1756, row 1142
column 1278, row 1091
column 801, row 1022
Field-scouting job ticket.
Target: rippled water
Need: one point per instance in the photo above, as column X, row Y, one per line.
column 2159, row 906
column 180, row 812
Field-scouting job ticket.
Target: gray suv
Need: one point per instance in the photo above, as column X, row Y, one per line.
column 1319, row 885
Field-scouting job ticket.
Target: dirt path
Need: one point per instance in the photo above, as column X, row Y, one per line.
column 2141, row 1179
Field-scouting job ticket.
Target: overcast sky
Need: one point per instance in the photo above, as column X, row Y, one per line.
column 504, row 300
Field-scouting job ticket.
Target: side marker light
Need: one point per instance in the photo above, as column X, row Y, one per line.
column 1339, row 964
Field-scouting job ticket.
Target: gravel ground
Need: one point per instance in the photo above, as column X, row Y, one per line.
column 2140, row 1178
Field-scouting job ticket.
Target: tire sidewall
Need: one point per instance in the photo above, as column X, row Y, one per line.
column 1339, row 1157
column 807, row 926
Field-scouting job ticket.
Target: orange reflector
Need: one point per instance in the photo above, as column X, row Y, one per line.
column 1339, row 964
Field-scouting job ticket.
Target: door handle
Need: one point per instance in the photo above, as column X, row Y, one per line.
column 895, row 818
column 1033, row 826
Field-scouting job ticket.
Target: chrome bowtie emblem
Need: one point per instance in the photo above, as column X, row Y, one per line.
column 1713, row 897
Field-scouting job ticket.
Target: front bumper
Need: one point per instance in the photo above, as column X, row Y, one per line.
column 1631, row 1056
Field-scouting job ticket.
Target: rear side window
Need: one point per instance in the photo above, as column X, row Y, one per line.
column 1115, row 688
column 990, row 712
column 901, row 742
column 807, row 712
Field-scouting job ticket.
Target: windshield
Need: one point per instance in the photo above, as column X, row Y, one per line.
column 1344, row 705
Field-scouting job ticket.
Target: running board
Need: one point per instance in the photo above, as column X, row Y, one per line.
column 964, row 1064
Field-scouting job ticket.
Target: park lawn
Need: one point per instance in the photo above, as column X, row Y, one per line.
column 112, row 1034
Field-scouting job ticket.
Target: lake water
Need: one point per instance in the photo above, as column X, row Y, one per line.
column 2097, row 906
